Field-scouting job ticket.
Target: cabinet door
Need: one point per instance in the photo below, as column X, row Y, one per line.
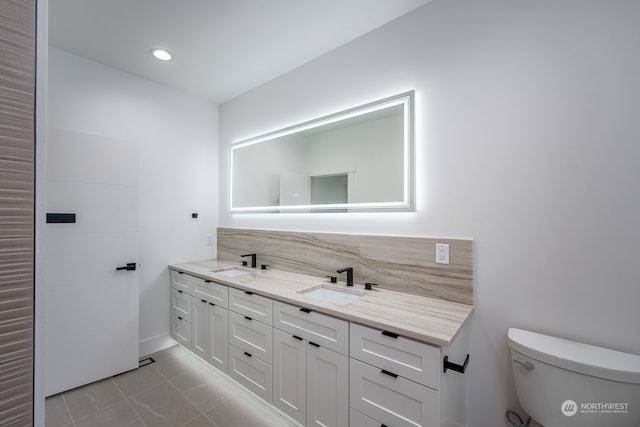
column 394, row 401
column 249, row 304
column 181, row 330
column 251, row 372
column 410, row 359
column 218, row 320
column 290, row 375
column 325, row 330
column 359, row 420
column 200, row 327
column 181, row 281
column 251, row 336
column 327, row 387
column 210, row 291
column 181, row 303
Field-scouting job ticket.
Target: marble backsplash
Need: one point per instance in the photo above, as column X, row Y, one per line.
column 403, row 264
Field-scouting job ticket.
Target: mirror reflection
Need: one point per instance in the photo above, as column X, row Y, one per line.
column 359, row 159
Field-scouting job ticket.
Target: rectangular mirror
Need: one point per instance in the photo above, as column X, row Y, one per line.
column 360, row 159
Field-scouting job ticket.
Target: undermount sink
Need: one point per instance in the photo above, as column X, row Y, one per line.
column 232, row 271
column 340, row 296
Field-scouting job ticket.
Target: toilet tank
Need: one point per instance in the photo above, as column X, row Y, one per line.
column 566, row 383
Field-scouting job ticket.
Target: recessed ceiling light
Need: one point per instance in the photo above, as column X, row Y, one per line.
column 161, row 54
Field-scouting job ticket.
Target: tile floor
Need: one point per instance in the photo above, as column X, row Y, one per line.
column 179, row 389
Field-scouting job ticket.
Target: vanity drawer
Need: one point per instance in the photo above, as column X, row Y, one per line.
column 356, row 419
column 211, row 292
column 251, row 372
column 318, row 328
column 181, row 330
column 249, row 304
column 392, row 401
column 405, row 357
column 181, row 281
column 251, row 336
column 181, row 304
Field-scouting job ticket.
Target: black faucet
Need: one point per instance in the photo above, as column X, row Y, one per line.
column 349, row 271
column 253, row 259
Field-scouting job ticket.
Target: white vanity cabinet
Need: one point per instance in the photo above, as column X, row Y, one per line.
column 318, row 369
column 311, row 366
column 180, row 323
column 394, row 381
column 210, row 322
column 251, row 341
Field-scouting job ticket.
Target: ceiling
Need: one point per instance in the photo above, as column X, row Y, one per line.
column 221, row 48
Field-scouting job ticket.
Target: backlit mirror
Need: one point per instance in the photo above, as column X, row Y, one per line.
column 353, row 160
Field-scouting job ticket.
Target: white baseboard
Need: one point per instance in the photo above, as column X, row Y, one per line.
column 151, row 345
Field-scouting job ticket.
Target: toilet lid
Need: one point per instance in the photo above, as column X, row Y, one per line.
column 584, row 358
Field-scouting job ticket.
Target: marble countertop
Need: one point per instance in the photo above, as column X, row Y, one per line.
column 430, row 320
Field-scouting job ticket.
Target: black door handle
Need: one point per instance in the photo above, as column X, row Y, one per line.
column 129, row 267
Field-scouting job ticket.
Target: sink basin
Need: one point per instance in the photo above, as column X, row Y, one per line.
column 340, row 296
column 231, row 271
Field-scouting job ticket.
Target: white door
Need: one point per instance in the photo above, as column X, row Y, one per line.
column 91, row 308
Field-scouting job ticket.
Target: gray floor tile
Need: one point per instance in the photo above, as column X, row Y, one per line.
column 138, row 380
column 163, row 405
column 193, row 378
column 237, row 411
column 211, row 395
column 201, row 421
column 173, row 361
column 120, row 415
column 92, row 398
column 56, row 413
column 177, row 390
column 204, row 388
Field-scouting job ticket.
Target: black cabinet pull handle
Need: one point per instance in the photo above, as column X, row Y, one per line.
column 297, row 337
column 207, row 281
column 179, row 317
column 390, row 334
column 248, row 292
column 131, row 266
column 305, row 310
column 204, row 301
column 211, row 304
column 247, row 317
column 314, row 344
column 383, row 425
column 247, row 354
column 454, row 366
column 180, row 272
column 180, row 292
column 391, row 374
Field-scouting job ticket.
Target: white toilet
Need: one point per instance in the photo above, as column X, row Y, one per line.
column 566, row 383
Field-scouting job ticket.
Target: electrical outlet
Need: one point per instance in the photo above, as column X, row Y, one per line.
column 209, row 239
column 442, row 253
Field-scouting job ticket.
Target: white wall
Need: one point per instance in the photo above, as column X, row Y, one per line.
column 527, row 137
column 177, row 137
